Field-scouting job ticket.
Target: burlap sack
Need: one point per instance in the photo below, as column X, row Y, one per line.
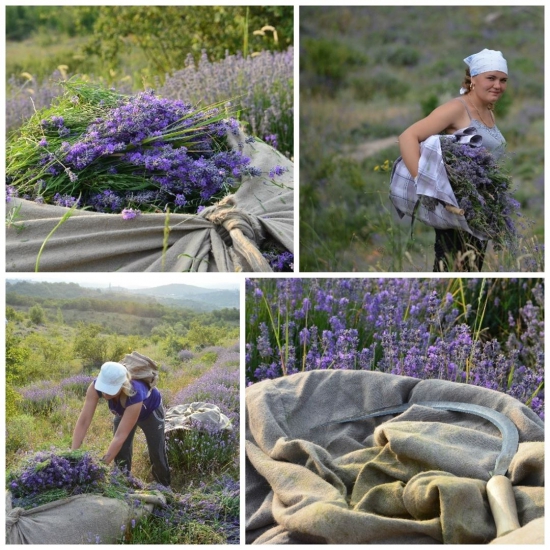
column 141, row 367
column 418, row 478
column 82, row 519
column 224, row 237
column 190, row 415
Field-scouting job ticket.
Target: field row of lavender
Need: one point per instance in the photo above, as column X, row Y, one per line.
column 485, row 332
column 260, row 89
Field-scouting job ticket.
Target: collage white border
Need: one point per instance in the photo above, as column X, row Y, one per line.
column 241, row 277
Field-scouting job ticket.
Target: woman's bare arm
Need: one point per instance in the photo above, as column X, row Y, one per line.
column 85, row 418
column 128, row 421
column 450, row 115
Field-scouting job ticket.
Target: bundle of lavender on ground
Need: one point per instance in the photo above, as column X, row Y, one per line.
column 48, row 476
column 483, row 191
column 114, row 153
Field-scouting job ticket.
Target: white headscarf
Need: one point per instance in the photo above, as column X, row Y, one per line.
column 484, row 61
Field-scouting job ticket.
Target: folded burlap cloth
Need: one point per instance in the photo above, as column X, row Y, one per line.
column 80, row 519
column 225, row 237
column 415, row 478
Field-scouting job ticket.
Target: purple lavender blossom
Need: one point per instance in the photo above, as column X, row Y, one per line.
column 271, row 139
column 130, row 213
column 262, row 84
column 48, row 470
column 277, row 171
column 483, row 191
column 11, row 193
column 408, row 327
column 64, row 200
column 161, row 148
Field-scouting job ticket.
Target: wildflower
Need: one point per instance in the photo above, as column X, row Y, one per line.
column 43, row 142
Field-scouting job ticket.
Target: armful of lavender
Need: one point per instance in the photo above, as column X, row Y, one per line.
column 483, row 190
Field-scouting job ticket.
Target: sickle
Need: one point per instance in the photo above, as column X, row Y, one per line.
column 499, row 487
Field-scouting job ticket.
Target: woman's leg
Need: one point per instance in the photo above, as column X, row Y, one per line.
column 124, row 457
column 153, row 428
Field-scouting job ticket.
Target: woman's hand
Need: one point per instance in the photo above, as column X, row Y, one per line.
column 85, row 418
column 129, row 420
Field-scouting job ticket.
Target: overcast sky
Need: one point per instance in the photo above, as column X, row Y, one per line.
column 137, row 280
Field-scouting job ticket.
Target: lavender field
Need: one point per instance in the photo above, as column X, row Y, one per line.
column 485, row 332
column 51, row 360
column 260, row 90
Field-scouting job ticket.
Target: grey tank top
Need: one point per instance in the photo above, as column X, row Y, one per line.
column 493, row 140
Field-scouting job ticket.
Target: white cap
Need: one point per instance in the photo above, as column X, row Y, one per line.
column 111, row 377
column 485, row 61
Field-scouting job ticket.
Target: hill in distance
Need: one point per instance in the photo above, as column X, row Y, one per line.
column 186, row 294
column 179, row 295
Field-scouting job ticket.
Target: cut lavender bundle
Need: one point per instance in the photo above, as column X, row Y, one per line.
column 52, row 475
column 116, row 153
column 483, row 191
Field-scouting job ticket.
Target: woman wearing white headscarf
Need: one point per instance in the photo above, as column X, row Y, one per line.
column 485, row 82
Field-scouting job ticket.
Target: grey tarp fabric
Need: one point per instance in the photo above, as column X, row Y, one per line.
column 187, row 415
column 223, row 238
column 426, row 197
column 415, row 478
column 82, row 519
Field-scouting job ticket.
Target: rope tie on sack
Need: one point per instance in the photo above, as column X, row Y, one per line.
column 13, row 516
column 240, row 230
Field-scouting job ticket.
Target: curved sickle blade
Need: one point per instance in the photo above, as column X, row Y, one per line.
column 508, row 430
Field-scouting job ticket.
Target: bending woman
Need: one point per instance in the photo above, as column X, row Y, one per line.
column 133, row 404
column 485, row 82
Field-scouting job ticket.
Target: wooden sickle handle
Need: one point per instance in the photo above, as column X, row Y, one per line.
column 454, row 210
column 503, row 504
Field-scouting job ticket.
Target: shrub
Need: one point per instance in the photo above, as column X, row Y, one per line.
column 198, row 451
column 328, row 58
column 218, row 386
column 428, row 104
column 261, row 88
column 41, row 398
column 185, row 355
column 378, row 84
column 77, row 384
column 37, row 315
column 19, row 432
column 402, row 56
